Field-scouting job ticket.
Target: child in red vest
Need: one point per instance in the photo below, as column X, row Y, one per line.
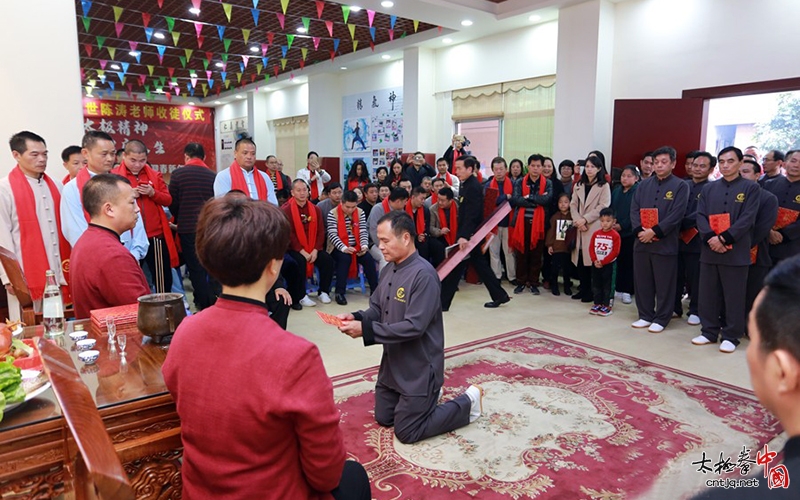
column 603, row 249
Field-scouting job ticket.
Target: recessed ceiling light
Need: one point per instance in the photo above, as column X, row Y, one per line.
column 447, row 40
column 193, row 75
column 387, row 4
column 159, row 35
column 301, row 29
column 535, row 18
column 115, row 66
column 219, row 65
column 191, row 103
column 254, row 49
column 466, row 22
column 355, row 8
column 343, row 67
column 386, row 57
column 217, row 102
column 134, row 53
column 239, row 96
column 195, row 11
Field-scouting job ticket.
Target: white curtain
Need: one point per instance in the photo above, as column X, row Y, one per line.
column 291, row 143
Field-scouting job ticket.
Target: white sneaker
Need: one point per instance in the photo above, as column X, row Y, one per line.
column 655, row 328
column 626, row 298
column 701, row 340
column 640, row 323
column 727, row 347
column 307, row 302
column 324, row 298
column 693, row 319
column 475, row 393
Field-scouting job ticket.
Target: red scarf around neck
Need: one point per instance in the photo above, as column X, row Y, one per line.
column 238, row 182
column 447, row 178
column 30, row 234
column 517, row 238
column 419, row 219
column 312, row 179
column 197, row 162
column 308, row 242
column 343, row 235
column 508, row 186
column 355, row 183
column 152, row 179
column 452, row 224
column 386, row 207
column 276, row 178
column 456, row 156
column 434, row 198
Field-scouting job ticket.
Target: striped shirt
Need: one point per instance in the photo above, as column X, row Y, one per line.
column 333, row 230
column 190, row 186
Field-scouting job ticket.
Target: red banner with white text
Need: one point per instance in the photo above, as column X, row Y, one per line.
column 164, row 128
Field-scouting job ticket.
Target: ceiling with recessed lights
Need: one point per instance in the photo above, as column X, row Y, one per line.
column 201, row 48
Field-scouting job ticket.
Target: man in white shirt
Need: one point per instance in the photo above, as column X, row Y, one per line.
column 448, row 178
column 244, row 176
column 314, row 176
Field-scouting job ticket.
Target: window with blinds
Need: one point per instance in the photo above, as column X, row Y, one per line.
column 291, row 143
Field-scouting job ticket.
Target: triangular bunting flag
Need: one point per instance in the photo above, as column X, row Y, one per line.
column 125, row 66
column 171, row 72
column 200, row 41
column 117, row 13
column 86, row 5
column 100, row 41
column 391, row 34
column 169, row 97
column 255, row 4
column 138, row 56
column 194, row 82
column 121, row 76
column 219, row 90
column 103, row 63
column 147, row 94
column 227, row 44
column 264, row 48
column 245, row 59
column 416, row 25
column 253, row 78
column 352, row 28
column 392, row 21
column 320, row 7
column 142, row 79
column 289, row 40
column 403, row 35
column 304, row 51
column 275, row 70
column 130, row 90
column 336, row 45
column 160, row 4
column 259, row 68
column 183, row 61
column 266, row 78
column 211, row 84
column 355, row 45
column 191, row 90
column 281, row 19
column 227, row 8
column 208, row 74
column 205, row 64
column 306, row 22
column 284, row 49
column 372, row 46
column 118, row 29
column 209, row 55
column 284, row 5
column 227, row 84
column 245, row 35
column 302, row 63
column 111, row 84
column 241, row 67
column 221, row 31
column 224, row 60
column 205, row 90
column 196, row 4
column 198, row 28
column 255, row 13
column 329, row 25
column 265, row 61
column 283, row 63
column 315, row 39
column 170, row 23
column 370, row 16
column 188, row 53
column 162, row 79
column 148, row 32
column 345, row 12
column 145, row 19
column 175, row 37
column 88, row 48
column 86, row 22
column 333, row 55
column 161, row 49
column 223, row 74
column 177, row 90
column 372, row 33
column 133, row 45
column 112, row 51
column 150, row 69
column 270, row 38
column 239, row 77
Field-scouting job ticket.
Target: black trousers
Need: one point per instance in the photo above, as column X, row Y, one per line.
column 278, row 310
column 560, row 263
column 150, row 261
column 655, row 277
column 204, row 285
column 419, row 417
column 324, row 265
column 529, row 262
column 584, row 275
column 436, row 250
column 343, row 261
column 485, row 273
column 601, row 284
column 688, row 274
column 722, row 310
column 625, row 265
column 293, row 274
column 354, row 484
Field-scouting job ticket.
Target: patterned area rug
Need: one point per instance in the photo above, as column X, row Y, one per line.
column 561, row 419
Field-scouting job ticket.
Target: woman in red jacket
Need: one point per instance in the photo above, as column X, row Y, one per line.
column 256, row 406
column 358, row 175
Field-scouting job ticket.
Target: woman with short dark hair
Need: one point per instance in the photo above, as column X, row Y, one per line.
column 256, row 406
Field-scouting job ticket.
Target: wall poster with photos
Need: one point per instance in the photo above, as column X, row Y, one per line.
column 372, row 129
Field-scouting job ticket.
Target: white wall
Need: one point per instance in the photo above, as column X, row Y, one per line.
column 662, row 47
column 287, row 102
column 515, row 55
column 229, row 111
column 28, row 31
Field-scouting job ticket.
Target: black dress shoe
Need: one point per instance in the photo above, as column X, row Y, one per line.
column 297, row 306
column 519, row 289
column 534, row 290
column 568, row 291
column 577, row 296
column 496, row 303
column 341, row 299
column 587, row 300
column 555, row 291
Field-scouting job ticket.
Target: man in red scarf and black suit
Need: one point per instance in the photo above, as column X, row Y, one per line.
column 30, row 225
column 278, row 178
column 532, row 196
column 152, row 195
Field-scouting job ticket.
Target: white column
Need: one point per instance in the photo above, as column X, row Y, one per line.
column 258, row 124
column 40, row 77
column 325, row 114
column 419, row 101
column 584, row 107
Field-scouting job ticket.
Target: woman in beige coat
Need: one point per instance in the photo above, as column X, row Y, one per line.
column 590, row 195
